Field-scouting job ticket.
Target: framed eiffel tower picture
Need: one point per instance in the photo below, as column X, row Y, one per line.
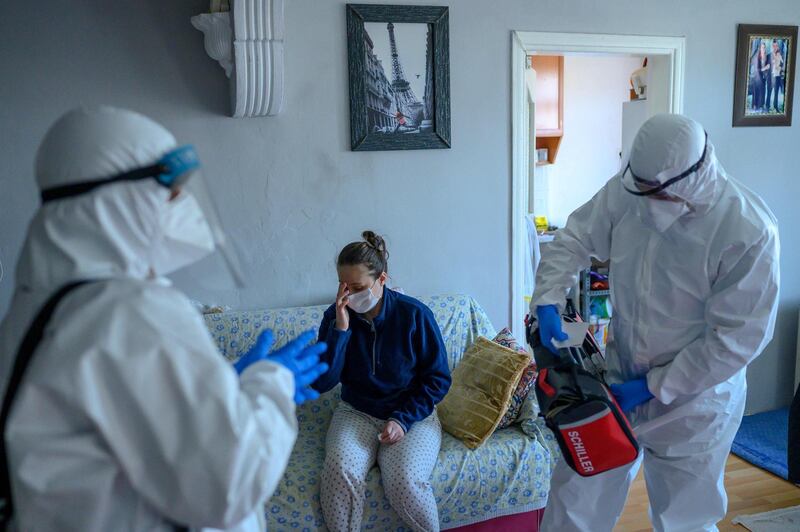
column 399, row 66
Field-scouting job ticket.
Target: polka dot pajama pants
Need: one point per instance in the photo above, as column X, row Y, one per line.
column 352, row 448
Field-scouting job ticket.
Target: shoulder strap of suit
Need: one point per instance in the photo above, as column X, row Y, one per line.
column 24, row 355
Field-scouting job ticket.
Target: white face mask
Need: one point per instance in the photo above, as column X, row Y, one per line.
column 184, row 236
column 659, row 214
column 363, row 301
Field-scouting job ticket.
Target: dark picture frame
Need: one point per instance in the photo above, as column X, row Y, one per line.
column 432, row 131
column 764, row 79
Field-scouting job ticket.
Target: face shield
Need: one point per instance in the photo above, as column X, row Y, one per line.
column 179, row 171
column 183, row 175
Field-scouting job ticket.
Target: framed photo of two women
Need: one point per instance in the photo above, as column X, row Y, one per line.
column 764, row 81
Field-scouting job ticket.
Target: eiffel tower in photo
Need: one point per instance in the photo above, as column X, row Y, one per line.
column 405, row 99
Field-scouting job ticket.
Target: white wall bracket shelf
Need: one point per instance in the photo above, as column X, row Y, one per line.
column 248, row 44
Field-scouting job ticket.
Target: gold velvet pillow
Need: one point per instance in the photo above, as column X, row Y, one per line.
column 483, row 383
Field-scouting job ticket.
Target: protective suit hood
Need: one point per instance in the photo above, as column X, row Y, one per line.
column 116, row 230
column 105, row 234
column 88, row 144
column 668, row 146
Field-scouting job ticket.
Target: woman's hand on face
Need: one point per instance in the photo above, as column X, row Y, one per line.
column 342, row 317
column 392, row 433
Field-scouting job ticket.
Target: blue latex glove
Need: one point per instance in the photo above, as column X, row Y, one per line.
column 550, row 326
column 631, row 394
column 296, row 356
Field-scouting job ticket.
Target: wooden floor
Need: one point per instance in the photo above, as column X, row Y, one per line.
column 750, row 490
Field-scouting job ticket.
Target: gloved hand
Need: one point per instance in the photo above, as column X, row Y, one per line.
column 296, row 356
column 632, row 393
column 302, row 360
column 550, row 326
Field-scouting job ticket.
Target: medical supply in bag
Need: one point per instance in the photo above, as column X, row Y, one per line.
column 576, row 334
column 601, row 307
column 598, row 328
column 593, row 433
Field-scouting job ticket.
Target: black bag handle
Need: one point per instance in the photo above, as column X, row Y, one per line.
column 573, row 370
column 25, row 353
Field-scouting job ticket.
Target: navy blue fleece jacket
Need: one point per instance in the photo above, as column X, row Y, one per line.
column 392, row 368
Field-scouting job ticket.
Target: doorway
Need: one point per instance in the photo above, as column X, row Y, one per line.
column 666, row 57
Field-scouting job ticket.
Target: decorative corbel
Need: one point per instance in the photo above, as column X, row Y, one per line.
column 248, row 44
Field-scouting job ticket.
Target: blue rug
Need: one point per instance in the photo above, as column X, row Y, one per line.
column 762, row 441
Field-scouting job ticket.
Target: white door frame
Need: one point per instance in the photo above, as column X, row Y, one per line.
column 523, row 43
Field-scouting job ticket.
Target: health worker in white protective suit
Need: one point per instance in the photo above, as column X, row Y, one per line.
column 127, row 416
column 694, row 278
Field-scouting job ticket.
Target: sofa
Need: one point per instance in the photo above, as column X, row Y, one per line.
column 509, row 474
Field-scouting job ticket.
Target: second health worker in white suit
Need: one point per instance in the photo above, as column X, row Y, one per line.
column 694, row 279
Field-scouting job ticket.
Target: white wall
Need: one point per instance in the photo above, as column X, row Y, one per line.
column 594, row 89
column 292, row 190
column 659, row 83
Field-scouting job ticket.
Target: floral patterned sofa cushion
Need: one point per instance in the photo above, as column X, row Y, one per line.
column 509, row 474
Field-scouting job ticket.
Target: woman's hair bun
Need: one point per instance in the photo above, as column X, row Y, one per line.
column 374, row 240
column 371, row 252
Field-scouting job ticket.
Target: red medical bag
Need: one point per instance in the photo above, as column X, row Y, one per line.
column 593, row 433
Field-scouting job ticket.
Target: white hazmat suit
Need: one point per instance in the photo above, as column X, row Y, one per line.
column 694, row 289
column 128, row 417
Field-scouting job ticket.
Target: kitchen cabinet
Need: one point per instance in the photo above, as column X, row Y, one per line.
column 549, row 107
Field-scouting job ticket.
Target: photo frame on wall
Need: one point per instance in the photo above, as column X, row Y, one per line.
column 764, row 80
column 399, row 73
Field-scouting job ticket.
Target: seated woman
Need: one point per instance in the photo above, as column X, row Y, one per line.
column 387, row 351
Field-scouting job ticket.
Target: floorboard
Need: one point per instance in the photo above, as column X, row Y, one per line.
column 750, row 490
